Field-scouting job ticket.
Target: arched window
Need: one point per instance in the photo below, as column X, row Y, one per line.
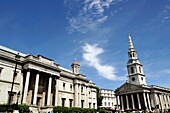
column 132, row 70
column 130, row 55
column 140, row 70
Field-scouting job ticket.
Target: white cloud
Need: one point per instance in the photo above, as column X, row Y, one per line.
column 90, row 14
column 91, row 57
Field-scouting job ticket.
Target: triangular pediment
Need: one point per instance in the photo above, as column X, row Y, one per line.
column 129, row 88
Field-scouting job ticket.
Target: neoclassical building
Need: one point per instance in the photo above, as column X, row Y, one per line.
column 42, row 83
column 109, row 99
column 135, row 94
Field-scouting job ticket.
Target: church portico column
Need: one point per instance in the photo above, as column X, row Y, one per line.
column 122, row 104
column 161, row 103
column 127, row 101
column 138, row 101
column 36, row 89
column 133, row 105
column 156, row 99
column 49, row 91
column 43, row 99
column 149, row 104
column 145, row 100
column 56, row 92
column 26, row 87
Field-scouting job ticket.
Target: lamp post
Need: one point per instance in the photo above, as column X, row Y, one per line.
column 17, row 58
column 18, row 95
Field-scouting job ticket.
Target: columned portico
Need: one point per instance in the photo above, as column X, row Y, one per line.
column 144, row 96
column 149, row 104
column 127, row 101
column 133, row 105
column 122, row 103
column 26, row 87
column 138, row 101
column 49, row 91
column 36, row 89
column 56, row 92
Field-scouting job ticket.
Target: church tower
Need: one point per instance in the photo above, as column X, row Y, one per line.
column 75, row 67
column 134, row 66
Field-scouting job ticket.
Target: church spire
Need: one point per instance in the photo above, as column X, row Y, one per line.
column 134, row 66
column 130, row 42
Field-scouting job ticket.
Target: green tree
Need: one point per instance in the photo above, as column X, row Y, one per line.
column 99, row 97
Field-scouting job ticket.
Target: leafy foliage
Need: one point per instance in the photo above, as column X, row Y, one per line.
column 10, row 108
column 60, row 109
column 99, row 97
column 102, row 111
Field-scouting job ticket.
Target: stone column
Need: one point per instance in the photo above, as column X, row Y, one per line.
column 26, row 87
column 161, row 103
column 43, row 99
column 87, row 97
column 149, row 102
column 168, row 101
column 21, row 88
column 36, row 89
column 80, row 95
column 133, row 105
column 127, row 101
column 156, row 99
column 145, row 100
column 122, row 102
column 30, row 96
column 76, row 95
column 49, row 91
column 56, row 92
column 138, row 101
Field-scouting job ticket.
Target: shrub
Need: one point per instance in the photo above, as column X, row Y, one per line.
column 23, row 108
column 10, row 108
column 60, row 109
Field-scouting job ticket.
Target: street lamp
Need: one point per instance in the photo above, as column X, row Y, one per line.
column 17, row 58
column 18, row 95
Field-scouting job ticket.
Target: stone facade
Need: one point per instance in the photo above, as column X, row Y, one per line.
column 42, row 83
column 135, row 94
column 109, row 99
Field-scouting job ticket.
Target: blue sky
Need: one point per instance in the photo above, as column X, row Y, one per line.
column 95, row 32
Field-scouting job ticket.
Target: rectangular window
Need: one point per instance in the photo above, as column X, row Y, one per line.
column 82, row 103
column 64, row 85
column 63, row 102
column 105, row 103
column 71, row 87
column 71, row 102
column 94, row 105
column 1, row 70
column 81, row 88
column 89, row 105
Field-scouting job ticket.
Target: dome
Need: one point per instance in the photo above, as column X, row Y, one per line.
column 75, row 62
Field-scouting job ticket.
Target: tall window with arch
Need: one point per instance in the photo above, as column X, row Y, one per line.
column 132, row 70
column 140, row 70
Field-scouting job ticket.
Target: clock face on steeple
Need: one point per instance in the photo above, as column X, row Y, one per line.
column 133, row 79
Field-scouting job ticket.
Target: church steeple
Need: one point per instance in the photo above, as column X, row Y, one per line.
column 134, row 66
